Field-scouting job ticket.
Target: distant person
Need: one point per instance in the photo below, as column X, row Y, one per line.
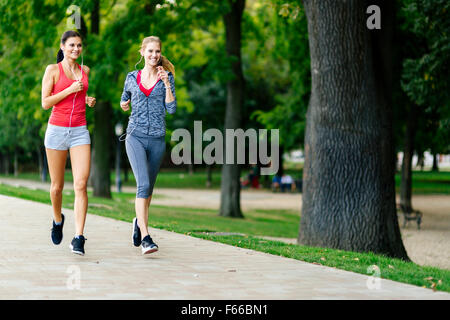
column 276, row 183
column 287, row 183
column 64, row 89
column 253, row 176
column 151, row 92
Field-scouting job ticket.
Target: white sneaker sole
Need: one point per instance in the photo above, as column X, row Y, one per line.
column 76, row 252
column 149, row 250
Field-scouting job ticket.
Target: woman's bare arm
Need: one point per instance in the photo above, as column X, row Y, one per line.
column 48, row 100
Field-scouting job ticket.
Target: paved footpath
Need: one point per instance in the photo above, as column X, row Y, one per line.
column 31, row 267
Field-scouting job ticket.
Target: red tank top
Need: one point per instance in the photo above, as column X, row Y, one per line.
column 62, row 110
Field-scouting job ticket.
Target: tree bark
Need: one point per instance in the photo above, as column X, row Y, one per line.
column 95, row 17
column 435, row 162
column 102, row 150
column 43, row 167
column 420, row 160
column 16, row 163
column 348, row 176
column 408, row 152
column 40, row 160
column 6, row 163
column 208, row 175
column 230, row 185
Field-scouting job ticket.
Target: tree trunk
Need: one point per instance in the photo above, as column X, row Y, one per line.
column 6, row 163
column 230, row 205
column 420, row 160
column 102, row 150
column 408, row 152
column 40, row 160
column 95, row 17
column 16, row 163
column 348, row 176
column 435, row 162
column 208, row 175
column 43, row 169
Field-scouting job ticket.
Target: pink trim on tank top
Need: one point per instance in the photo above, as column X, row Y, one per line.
column 141, row 86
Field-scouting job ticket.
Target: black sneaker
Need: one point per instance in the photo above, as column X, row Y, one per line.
column 136, row 233
column 77, row 245
column 57, row 233
column 148, row 246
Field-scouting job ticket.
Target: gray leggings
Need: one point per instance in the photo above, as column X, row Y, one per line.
column 145, row 154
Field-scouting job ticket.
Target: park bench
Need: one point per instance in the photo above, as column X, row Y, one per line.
column 409, row 215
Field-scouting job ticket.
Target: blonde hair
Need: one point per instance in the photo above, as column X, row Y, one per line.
column 167, row 65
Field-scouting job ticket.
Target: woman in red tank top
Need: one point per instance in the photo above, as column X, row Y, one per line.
column 64, row 88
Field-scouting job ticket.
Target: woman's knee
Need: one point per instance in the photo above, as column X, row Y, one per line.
column 143, row 190
column 80, row 186
column 56, row 188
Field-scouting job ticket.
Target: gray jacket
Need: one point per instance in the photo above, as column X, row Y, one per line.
column 148, row 113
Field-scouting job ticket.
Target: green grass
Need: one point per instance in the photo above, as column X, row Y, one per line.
column 424, row 182
column 427, row 182
column 257, row 223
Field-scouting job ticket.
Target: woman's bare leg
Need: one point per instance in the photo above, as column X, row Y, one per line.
column 56, row 165
column 80, row 157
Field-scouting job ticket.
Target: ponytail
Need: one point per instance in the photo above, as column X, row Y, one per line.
column 164, row 62
column 167, row 65
column 59, row 56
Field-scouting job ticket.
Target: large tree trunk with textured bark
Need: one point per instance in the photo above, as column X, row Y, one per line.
column 349, row 189
column 230, row 185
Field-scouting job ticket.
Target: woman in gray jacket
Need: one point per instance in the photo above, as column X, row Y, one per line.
column 151, row 92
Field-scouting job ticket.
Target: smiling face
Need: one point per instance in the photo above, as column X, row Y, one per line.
column 72, row 48
column 151, row 53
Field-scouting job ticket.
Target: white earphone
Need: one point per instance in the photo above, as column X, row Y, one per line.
column 74, row 97
column 73, row 101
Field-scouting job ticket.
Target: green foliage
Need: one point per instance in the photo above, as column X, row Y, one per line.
column 286, row 70
column 425, row 76
column 275, row 60
column 25, row 37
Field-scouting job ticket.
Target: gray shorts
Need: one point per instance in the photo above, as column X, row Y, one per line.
column 64, row 138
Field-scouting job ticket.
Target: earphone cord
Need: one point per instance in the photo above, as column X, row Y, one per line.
column 126, row 133
column 73, row 102
column 74, row 97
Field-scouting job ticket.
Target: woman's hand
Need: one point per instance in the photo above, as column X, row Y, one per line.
column 90, row 101
column 76, row 87
column 125, row 105
column 162, row 74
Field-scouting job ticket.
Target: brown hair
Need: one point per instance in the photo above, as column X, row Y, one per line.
column 166, row 64
column 66, row 35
